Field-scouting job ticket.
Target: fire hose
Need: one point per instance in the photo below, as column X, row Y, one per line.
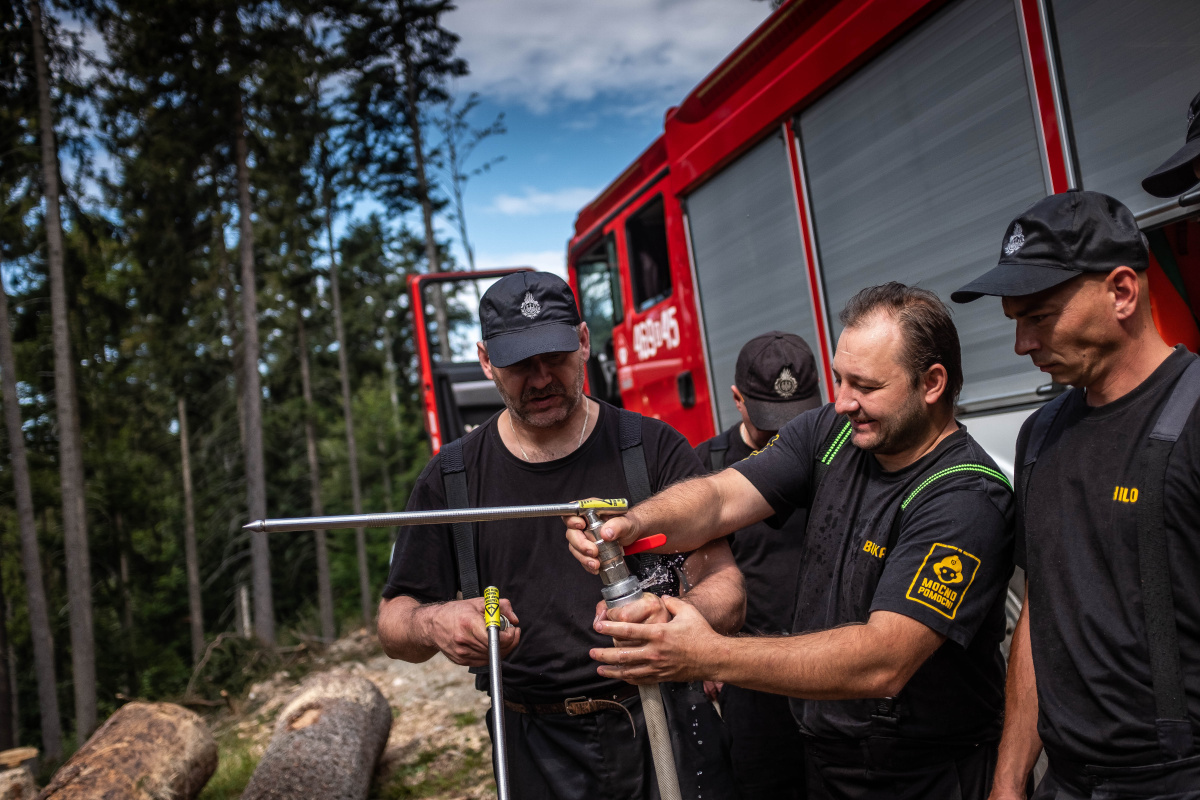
column 619, row 587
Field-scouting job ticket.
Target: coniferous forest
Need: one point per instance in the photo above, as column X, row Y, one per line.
column 199, row 328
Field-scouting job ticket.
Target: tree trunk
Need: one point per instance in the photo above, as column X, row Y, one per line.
column 256, row 479
column 131, row 679
column 35, row 588
column 412, row 95
column 8, row 738
column 360, row 534
column 326, row 742
column 190, row 553
column 145, row 751
column 324, row 588
column 75, row 538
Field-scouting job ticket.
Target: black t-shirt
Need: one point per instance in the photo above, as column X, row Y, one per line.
column 769, row 558
column 1079, row 548
column 527, row 559
column 947, row 569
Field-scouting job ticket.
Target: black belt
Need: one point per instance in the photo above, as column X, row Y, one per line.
column 580, row 706
column 888, row 752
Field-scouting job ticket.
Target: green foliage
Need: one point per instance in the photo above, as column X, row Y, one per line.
column 154, row 301
column 236, row 764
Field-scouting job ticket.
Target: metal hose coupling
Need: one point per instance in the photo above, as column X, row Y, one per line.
column 619, row 586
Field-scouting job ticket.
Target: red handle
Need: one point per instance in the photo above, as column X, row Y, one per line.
column 646, row 543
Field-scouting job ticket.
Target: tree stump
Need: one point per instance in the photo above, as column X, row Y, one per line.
column 145, row 751
column 326, row 742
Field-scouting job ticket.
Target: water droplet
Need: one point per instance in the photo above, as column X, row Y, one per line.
column 700, row 742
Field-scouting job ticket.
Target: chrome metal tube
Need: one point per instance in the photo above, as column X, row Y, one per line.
column 437, row 517
column 499, row 745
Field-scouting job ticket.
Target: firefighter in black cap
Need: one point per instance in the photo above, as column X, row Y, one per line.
column 774, row 380
column 571, row 734
column 1103, row 669
column 1181, row 172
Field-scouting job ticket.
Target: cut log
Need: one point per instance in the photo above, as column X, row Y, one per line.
column 145, row 751
column 326, row 742
column 17, row 784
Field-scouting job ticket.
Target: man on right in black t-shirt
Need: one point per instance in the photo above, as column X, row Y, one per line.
column 1102, row 672
column 894, row 661
column 774, row 380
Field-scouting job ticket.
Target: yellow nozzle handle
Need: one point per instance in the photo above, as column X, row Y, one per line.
column 491, row 608
column 604, row 505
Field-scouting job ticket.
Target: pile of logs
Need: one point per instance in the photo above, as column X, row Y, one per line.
column 145, row 751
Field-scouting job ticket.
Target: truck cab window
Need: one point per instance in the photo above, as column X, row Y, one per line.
column 600, row 306
column 649, row 269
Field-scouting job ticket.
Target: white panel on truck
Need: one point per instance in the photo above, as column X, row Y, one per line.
column 749, row 261
column 1129, row 70
column 917, row 163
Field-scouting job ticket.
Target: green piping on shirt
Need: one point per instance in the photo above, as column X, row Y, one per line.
column 832, row 452
column 999, row 476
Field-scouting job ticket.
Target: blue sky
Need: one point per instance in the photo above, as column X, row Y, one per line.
column 583, row 86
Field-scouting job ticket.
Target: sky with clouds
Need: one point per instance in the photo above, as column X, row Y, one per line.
column 583, row 87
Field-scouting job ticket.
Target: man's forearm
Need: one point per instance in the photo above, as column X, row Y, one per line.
column 1020, row 743
column 718, row 590
column 696, row 511
column 854, row 661
column 404, row 629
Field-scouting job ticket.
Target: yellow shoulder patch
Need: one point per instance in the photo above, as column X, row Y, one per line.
column 943, row 579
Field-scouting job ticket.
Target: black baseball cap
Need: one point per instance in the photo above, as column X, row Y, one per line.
column 1177, row 174
column 528, row 314
column 1058, row 238
column 777, row 376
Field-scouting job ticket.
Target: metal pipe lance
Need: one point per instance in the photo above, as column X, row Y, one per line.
column 494, row 623
column 621, row 588
column 436, row 517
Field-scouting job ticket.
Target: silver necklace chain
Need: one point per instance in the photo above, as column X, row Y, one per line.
column 587, row 410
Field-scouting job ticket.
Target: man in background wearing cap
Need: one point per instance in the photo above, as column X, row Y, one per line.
column 903, row 567
column 1181, row 172
column 1108, row 516
column 568, row 729
column 775, row 379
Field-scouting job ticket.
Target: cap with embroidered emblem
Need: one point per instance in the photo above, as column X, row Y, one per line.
column 528, row 314
column 777, row 376
column 1058, row 238
column 1177, row 174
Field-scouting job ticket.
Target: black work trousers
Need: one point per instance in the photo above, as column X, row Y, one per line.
column 766, row 747
column 1179, row 780
column 883, row 769
column 561, row 757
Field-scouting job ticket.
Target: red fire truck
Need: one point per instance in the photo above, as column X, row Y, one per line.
column 850, row 142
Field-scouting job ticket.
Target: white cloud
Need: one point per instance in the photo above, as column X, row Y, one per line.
column 544, row 260
column 533, row 201
column 539, row 52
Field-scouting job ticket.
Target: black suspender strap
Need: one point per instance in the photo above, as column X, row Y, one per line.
column 717, row 451
column 454, row 479
column 1042, row 424
column 633, row 457
column 1175, row 735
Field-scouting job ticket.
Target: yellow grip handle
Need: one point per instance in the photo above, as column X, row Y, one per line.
column 491, row 608
column 605, row 505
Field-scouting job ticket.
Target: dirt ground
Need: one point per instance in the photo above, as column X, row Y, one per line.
column 438, row 746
